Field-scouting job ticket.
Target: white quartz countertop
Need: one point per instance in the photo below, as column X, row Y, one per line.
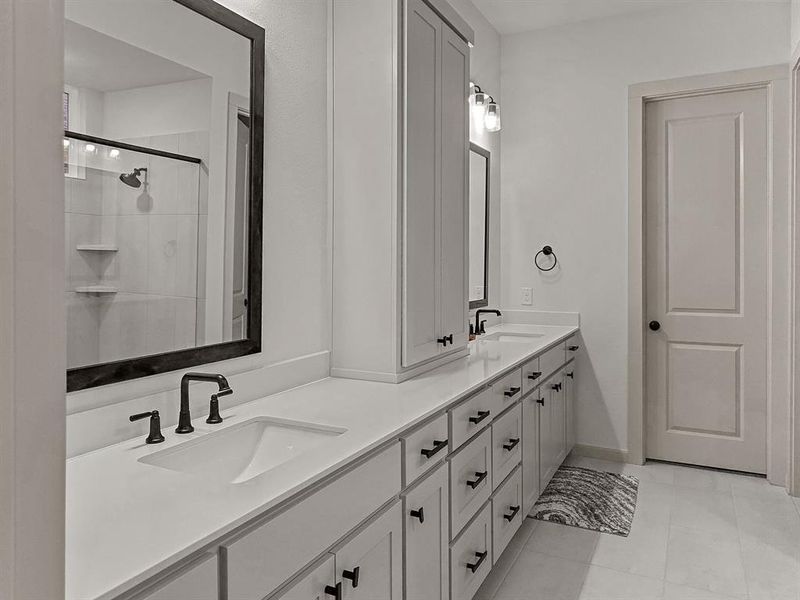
column 126, row 521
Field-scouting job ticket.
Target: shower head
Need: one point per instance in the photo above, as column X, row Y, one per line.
column 132, row 179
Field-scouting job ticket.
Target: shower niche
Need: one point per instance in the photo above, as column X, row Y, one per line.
column 163, row 162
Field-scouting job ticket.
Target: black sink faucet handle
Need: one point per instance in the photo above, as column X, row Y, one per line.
column 155, row 436
column 213, row 409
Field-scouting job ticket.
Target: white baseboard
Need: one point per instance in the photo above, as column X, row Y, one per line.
column 601, row 453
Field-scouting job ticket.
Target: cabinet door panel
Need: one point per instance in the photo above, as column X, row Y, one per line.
column 311, row 585
column 369, row 566
column 455, row 177
column 427, row 573
column 570, row 381
column 422, row 206
column 560, row 420
column 547, row 438
column 530, row 450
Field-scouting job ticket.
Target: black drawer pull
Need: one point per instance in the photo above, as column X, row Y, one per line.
column 438, row 446
column 482, row 414
column 534, row 375
column 571, row 374
column 556, row 387
column 540, row 401
column 511, row 392
column 510, row 516
column 352, row 575
column 573, row 348
column 335, row 591
column 512, row 443
column 419, row 514
column 480, row 477
column 477, row 564
column 448, row 339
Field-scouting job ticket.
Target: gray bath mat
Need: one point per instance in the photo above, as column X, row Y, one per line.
column 589, row 499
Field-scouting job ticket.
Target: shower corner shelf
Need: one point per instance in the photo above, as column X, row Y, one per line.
column 96, row 289
column 97, row 247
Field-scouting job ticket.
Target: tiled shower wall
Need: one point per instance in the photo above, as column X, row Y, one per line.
column 159, row 305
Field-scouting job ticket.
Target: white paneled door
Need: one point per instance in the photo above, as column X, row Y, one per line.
column 707, row 206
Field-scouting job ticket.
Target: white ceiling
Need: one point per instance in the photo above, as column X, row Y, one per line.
column 514, row 16
column 100, row 62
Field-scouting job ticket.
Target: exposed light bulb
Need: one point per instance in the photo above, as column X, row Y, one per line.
column 492, row 118
column 113, row 153
column 477, row 102
column 66, row 143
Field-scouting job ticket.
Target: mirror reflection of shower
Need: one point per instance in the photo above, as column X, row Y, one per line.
column 132, row 179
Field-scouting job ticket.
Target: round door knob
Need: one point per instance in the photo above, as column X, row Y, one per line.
column 654, row 325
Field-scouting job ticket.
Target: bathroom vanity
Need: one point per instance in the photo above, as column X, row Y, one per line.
column 380, row 491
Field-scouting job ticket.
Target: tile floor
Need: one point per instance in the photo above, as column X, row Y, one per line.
column 697, row 535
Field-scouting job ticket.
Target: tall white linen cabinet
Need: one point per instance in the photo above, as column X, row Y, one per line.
column 400, row 137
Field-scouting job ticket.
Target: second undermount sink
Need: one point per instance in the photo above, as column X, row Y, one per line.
column 243, row 451
column 517, row 338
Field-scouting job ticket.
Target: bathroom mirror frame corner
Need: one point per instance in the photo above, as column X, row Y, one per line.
column 486, row 154
column 85, row 377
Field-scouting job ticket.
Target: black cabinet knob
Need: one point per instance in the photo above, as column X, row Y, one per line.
column 573, row 348
column 482, row 414
column 481, row 556
column 419, row 514
column 556, row 387
column 571, row 374
column 438, row 446
column 540, row 401
column 335, row 591
column 654, row 325
column 352, row 576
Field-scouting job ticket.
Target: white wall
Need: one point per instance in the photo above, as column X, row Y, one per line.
column 31, row 302
column 296, row 297
column 564, row 173
column 485, row 71
column 795, row 20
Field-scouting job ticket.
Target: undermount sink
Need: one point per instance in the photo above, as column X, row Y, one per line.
column 517, row 338
column 243, row 451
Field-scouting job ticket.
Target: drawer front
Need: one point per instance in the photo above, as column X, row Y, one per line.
column 506, row 444
column 573, row 345
column 423, row 448
column 470, row 480
column 531, row 375
column 265, row 557
column 469, row 417
column 551, row 360
column 506, row 391
column 507, row 513
column 471, row 556
column 198, row 581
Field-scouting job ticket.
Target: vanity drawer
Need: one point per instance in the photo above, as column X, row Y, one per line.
column 507, row 390
column 269, row 554
column 573, row 345
column 469, row 417
column 552, row 360
column 471, row 556
column 507, row 512
column 531, row 375
column 198, row 581
column 506, row 444
column 470, row 480
column 423, row 448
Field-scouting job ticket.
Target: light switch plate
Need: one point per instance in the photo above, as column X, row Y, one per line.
column 527, row 296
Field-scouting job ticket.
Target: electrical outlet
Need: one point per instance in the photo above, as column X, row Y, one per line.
column 527, row 296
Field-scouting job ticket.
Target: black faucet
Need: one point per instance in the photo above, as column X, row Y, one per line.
column 480, row 325
column 184, row 417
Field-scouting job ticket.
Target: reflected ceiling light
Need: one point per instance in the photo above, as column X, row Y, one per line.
column 66, row 143
column 90, row 148
column 492, row 118
column 113, row 153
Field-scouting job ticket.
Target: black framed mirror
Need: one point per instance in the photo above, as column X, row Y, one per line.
column 163, row 171
column 479, row 169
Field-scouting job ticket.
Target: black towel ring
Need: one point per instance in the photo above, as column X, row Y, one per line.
column 547, row 251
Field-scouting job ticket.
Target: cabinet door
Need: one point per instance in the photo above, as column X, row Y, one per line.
column 455, row 177
column 370, row 565
column 559, row 419
column 318, row 583
column 548, row 434
column 422, row 207
column 530, row 450
column 426, row 571
column 570, row 376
